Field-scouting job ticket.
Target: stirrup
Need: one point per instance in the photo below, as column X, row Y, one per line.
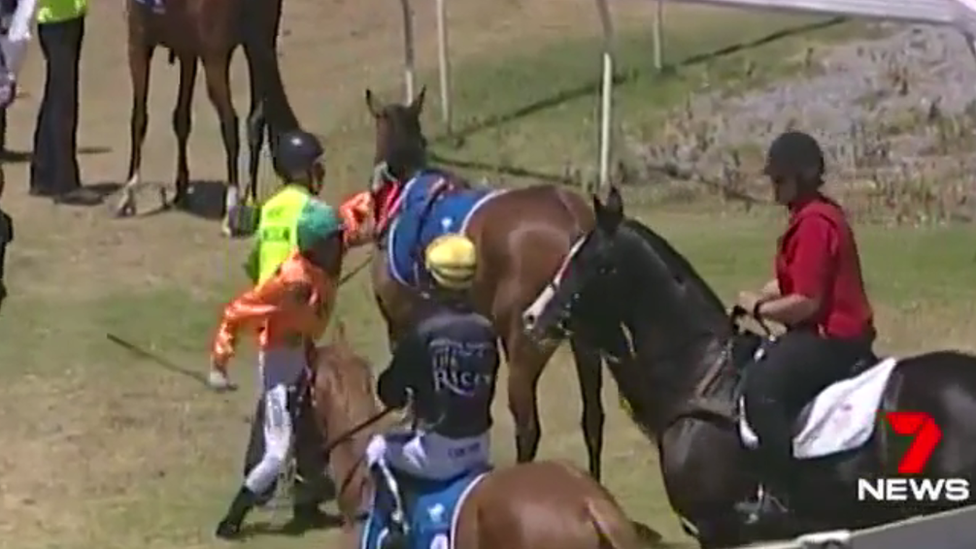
column 765, row 506
column 397, row 515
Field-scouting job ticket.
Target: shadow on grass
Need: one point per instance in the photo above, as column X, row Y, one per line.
column 592, row 86
column 88, row 195
column 500, row 169
column 8, row 156
column 205, row 198
column 288, row 529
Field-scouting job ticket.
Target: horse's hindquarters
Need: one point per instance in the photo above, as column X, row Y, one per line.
column 543, row 504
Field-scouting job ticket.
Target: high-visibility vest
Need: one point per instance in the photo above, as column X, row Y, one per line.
column 277, row 234
column 56, row 11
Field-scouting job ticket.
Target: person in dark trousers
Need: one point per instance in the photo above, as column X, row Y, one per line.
column 54, row 165
column 819, row 295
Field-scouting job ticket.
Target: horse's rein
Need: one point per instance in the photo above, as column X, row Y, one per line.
column 360, row 461
column 345, row 437
column 355, row 271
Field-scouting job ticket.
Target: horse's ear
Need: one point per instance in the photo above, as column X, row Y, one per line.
column 417, row 105
column 610, row 214
column 597, row 205
column 615, row 203
column 371, row 104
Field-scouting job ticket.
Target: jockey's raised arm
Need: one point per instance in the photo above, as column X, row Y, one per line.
column 357, row 213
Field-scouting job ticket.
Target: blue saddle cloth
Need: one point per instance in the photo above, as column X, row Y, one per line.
column 422, row 215
column 431, row 507
column 158, row 6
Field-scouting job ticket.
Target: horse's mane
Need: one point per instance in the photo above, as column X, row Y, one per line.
column 349, row 378
column 680, row 267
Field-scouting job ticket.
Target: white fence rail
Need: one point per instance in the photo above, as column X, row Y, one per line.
column 960, row 14
column 954, row 529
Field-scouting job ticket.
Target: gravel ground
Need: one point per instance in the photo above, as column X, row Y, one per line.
column 895, row 114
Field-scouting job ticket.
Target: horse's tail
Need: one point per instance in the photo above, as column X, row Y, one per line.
column 612, row 525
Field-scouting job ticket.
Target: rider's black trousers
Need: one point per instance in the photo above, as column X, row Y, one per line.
column 310, row 462
column 797, row 367
column 54, row 163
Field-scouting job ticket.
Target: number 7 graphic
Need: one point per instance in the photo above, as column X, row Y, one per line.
column 926, row 436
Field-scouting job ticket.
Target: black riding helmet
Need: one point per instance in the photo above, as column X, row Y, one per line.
column 795, row 154
column 296, row 152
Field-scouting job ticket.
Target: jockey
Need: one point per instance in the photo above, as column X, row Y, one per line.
column 298, row 161
column 291, row 309
column 819, row 295
column 446, row 369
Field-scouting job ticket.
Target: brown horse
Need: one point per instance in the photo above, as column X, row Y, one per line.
column 209, row 31
column 522, row 236
column 538, row 505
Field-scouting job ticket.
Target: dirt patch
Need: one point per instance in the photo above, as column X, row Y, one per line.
column 895, row 115
column 101, row 449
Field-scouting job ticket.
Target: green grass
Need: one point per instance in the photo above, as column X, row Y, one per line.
column 168, row 451
column 538, row 110
column 104, row 449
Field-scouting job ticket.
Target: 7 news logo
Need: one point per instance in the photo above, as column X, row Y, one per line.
column 926, row 436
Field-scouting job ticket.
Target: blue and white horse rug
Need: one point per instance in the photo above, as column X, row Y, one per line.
column 429, row 206
column 432, row 509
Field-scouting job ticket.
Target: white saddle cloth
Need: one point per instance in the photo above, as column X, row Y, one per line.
column 843, row 416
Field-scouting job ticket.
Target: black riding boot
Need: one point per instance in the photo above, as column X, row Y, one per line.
column 776, row 454
column 306, row 514
column 230, row 525
column 387, row 499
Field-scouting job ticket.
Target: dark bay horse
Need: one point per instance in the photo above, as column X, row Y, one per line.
column 208, row 31
column 521, row 236
column 684, row 383
column 531, row 506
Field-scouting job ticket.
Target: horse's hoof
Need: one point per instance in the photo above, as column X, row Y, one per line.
column 126, row 208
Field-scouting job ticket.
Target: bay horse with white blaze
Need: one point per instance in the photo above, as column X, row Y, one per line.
column 208, row 31
column 522, row 236
column 544, row 505
column 684, row 389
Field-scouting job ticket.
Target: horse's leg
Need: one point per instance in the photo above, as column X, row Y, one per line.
column 525, row 364
column 216, row 66
column 140, row 55
column 591, row 384
column 720, row 532
column 262, row 21
column 182, row 123
column 256, row 123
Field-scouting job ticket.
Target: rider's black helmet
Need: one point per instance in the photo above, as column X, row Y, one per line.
column 296, row 152
column 795, row 154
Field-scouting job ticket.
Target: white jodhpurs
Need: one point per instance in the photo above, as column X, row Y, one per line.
column 279, row 369
column 429, row 455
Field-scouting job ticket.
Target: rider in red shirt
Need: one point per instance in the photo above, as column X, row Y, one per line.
column 819, row 295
